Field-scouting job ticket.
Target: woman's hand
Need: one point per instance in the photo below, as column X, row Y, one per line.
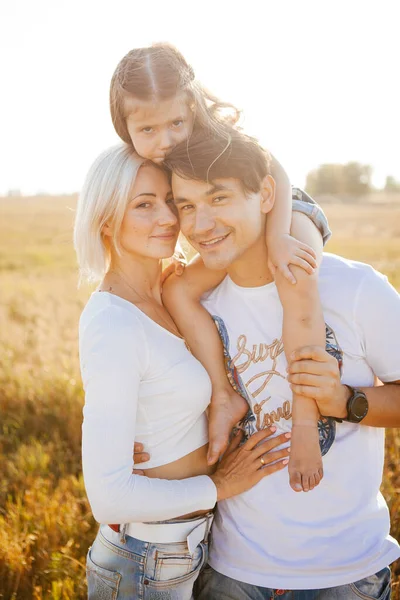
column 243, row 467
column 285, row 250
column 138, row 457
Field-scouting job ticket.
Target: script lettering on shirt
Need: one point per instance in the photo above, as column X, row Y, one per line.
column 259, row 353
column 269, row 418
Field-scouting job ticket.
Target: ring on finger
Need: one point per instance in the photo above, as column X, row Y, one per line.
column 262, row 461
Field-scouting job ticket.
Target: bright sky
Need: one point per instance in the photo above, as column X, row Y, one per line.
column 318, row 79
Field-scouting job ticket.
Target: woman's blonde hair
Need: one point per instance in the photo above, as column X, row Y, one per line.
column 160, row 72
column 103, row 200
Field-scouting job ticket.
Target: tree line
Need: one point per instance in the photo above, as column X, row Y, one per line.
column 350, row 179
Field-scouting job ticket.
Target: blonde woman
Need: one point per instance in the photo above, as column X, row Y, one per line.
column 143, row 384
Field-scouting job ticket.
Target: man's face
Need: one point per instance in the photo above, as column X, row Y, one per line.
column 219, row 218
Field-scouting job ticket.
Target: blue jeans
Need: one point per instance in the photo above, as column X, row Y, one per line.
column 130, row 569
column 302, row 202
column 212, row 585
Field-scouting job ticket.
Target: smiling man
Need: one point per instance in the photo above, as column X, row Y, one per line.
column 334, row 542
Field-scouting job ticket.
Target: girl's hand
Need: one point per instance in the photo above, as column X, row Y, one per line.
column 243, row 467
column 285, row 250
column 176, row 267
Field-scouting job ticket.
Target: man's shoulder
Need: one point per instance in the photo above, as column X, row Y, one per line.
column 341, row 281
column 344, row 284
column 352, row 273
column 212, row 295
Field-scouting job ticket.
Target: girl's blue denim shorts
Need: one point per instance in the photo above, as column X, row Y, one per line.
column 125, row 568
column 303, row 203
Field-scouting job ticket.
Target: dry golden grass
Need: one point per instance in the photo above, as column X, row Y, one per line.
column 45, row 521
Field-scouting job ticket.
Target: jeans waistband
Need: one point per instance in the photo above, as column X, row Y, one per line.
column 192, row 531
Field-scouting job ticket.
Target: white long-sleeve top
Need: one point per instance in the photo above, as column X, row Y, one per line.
column 141, row 384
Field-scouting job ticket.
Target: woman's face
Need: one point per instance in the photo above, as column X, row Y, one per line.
column 155, row 129
column 150, row 225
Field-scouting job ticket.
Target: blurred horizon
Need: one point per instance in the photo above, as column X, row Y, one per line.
column 372, row 194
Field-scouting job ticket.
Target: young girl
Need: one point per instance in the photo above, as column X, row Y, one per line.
column 157, row 103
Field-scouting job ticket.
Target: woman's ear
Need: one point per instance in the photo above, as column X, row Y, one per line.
column 267, row 194
column 106, row 230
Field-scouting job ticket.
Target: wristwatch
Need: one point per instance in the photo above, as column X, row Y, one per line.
column 357, row 405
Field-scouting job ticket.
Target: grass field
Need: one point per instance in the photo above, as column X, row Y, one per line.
column 45, row 521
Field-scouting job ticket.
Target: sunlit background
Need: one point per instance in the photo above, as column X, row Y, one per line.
column 318, row 80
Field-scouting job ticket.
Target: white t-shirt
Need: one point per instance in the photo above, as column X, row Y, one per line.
column 141, row 384
column 338, row 533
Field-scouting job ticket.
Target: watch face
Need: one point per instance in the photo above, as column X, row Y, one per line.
column 359, row 407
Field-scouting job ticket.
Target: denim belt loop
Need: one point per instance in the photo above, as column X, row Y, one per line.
column 210, row 518
column 122, row 530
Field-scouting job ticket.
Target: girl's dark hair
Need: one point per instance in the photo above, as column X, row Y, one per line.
column 159, row 72
column 210, row 155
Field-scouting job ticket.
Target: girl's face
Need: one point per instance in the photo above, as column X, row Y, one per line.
column 150, row 225
column 156, row 128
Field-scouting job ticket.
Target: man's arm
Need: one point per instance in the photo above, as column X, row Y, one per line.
column 376, row 322
column 314, row 373
column 384, row 405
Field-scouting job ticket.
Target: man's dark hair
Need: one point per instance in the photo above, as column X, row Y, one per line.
column 208, row 155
